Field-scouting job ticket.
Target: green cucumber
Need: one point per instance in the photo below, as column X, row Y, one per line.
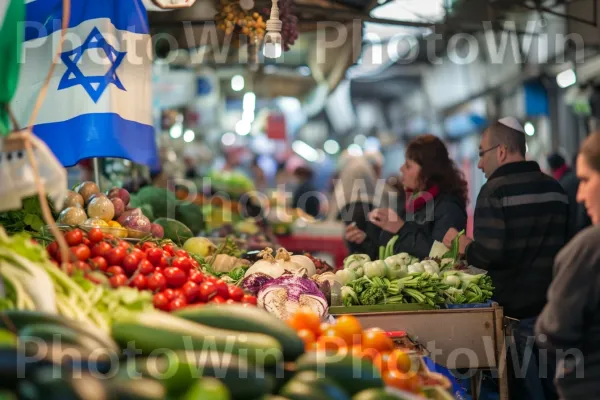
column 243, row 319
column 55, row 334
column 47, row 384
column 7, row 339
column 308, row 385
column 374, row 394
column 178, row 371
column 17, row 319
column 136, row 389
column 157, row 331
column 356, row 374
column 206, row 389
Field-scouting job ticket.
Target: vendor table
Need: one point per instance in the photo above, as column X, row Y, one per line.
column 333, row 245
column 469, row 338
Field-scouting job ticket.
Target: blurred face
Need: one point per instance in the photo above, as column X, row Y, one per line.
column 410, row 175
column 589, row 189
column 488, row 156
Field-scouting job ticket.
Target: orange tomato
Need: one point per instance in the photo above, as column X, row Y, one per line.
column 367, row 354
column 401, row 361
column 382, row 362
column 330, row 341
column 349, row 329
column 305, row 318
column 308, row 337
column 409, row 382
column 378, row 340
column 324, row 326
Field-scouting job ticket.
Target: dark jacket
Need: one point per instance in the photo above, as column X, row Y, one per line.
column 571, row 319
column 578, row 217
column 306, row 198
column 520, row 225
column 420, row 229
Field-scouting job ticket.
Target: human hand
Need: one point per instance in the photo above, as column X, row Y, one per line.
column 355, row 235
column 463, row 242
column 449, row 237
column 386, row 219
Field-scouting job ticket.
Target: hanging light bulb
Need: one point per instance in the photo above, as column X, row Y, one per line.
column 272, row 47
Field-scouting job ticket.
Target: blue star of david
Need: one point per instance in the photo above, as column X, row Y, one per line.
column 93, row 85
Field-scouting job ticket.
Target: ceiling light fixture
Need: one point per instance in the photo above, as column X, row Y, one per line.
column 272, row 47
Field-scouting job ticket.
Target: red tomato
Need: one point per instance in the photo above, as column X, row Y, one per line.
column 81, row 252
column 99, row 263
column 160, row 301
column 115, row 256
column 139, row 282
column 169, row 248
column 157, row 282
column 196, row 276
column 230, row 301
column 217, row 300
column 195, row 264
column 109, row 237
column 115, row 270
column 95, row 235
column 100, row 249
column 130, row 263
column 86, row 241
column 183, row 263
column 177, row 303
column 74, row 237
column 146, row 267
column 67, row 268
column 175, row 277
column 178, row 293
column 118, row 280
column 123, row 244
column 249, row 299
column 235, row 293
column 208, row 290
column 155, row 256
column 148, row 245
column 141, row 255
column 181, row 253
column 52, row 249
column 222, row 288
column 158, row 270
column 169, row 294
column 210, row 278
column 82, row 266
column 191, row 291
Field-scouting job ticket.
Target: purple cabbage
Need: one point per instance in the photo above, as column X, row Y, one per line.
column 283, row 296
column 254, row 282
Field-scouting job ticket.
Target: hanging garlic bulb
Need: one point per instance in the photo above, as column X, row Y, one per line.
column 247, row 5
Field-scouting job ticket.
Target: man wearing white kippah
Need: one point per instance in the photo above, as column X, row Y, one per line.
column 521, row 222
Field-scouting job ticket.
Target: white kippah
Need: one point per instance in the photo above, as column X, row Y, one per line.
column 512, row 122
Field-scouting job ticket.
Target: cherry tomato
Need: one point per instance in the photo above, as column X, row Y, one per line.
column 81, row 252
column 83, row 266
column 178, row 293
column 118, row 280
column 230, row 301
column 396, row 379
column 182, row 253
column 196, row 276
column 141, row 255
column 378, row 340
column 195, row 264
column 139, row 282
column 148, row 245
column 249, row 299
column 95, row 235
column 52, row 249
column 169, row 248
column 74, row 237
column 305, row 318
column 160, row 301
column 210, row 278
column 99, row 263
column 222, row 288
column 183, row 263
column 115, row 270
column 169, row 294
column 123, row 244
column 191, row 291
column 308, row 337
column 115, row 256
column 217, row 300
column 235, row 293
column 175, row 277
column 177, row 303
column 208, row 290
column 100, row 249
column 349, row 329
column 157, row 282
column 155, row 256
column 158, row 270
column 130, row 263
column 146, row 267
column 109, row 237
column 86, row 241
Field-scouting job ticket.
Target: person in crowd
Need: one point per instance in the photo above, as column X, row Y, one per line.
column 305, row 196
column 569, row 325
column 436, row 199
column 520, row 224
column 578, row 218
column 258, row 175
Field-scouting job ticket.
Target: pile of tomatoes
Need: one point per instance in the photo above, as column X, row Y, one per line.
column 169, row 272
column 397, row 367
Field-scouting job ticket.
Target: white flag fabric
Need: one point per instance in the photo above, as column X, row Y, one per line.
column 99, row 103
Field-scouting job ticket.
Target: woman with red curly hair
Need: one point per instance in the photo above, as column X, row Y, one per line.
column 436, row 200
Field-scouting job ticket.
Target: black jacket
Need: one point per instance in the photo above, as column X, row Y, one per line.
column 421, row 229
column 578, row 217
column 571, row 319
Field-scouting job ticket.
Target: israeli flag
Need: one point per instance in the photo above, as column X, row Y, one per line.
column 99, row 103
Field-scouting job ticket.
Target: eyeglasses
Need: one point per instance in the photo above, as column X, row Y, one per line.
column 482, row 152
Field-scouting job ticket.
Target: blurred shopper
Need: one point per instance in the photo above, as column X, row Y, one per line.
column 436, row 199
column 258, row 175
column 520, row 225
column 578, row 218
column 305, row 196
column 571, row 319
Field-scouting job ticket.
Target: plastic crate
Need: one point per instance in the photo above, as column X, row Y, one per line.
column 474, row 305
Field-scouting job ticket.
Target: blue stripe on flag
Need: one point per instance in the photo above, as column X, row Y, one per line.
column 104, row 135
column 44, row 16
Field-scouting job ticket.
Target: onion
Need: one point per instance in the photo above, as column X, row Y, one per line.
column 267, row 266
column 285, row 260
column 304, row 262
